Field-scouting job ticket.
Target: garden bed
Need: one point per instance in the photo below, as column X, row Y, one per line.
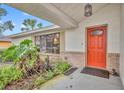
column 28, row 70
column 36, row 80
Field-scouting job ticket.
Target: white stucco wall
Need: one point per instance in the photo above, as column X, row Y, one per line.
column 122, row 45
column 19, row 39
column 75, row 39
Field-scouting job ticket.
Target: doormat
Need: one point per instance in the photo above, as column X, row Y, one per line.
column 96, row 72
column 70, row 71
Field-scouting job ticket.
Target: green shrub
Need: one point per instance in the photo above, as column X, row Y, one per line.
column 40, row 80
column 8, row 74
column 48, row 75
column 44, row 77
column 60, row 67
column 25, row 54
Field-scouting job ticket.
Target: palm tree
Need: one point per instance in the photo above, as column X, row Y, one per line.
column 3, row 12
column 39, row 25
column 30, row 24
column 8, row 25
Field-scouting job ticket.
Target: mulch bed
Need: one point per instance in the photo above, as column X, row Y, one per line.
column 96, row 72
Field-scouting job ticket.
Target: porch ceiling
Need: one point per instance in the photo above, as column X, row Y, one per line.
column 76, row 10
column 66, row 15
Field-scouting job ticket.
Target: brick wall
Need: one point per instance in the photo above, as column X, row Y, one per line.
column 113, row 61
column 77, row 59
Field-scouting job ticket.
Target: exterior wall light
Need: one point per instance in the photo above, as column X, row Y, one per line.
column 88, row 10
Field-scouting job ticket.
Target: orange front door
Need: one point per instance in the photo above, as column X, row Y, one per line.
column 96, row 46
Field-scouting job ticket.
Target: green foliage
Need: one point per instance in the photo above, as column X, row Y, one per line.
column 30, row 24
column 8, row 25
column 60, row 67
column 25, row 53
column 8, row 74
column 44, row 77
column 40, row 80
column 10, row 53
column 48, row 75
column 28, row 51
column 3, row 12
column 39, row 25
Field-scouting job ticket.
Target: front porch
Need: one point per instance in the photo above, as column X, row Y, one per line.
column 79, row 81
column 73, row 42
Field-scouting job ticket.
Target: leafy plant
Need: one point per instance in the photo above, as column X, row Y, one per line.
column 43, row 78
column 60, row 67
column 8, row 74
column 48, row 75
column 25, row 55
column 10, row 53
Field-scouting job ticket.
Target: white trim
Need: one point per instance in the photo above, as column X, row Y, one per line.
column 34, row 31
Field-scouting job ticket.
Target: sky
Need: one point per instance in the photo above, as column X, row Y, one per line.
column 17, row 18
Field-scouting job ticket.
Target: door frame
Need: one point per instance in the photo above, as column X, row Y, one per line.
column 86, row 45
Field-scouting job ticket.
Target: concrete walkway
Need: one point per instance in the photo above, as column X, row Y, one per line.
column 79, row 81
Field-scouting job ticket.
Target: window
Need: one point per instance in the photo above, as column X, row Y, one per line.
column 48, row 43
column 97, row 33
column 37, row 41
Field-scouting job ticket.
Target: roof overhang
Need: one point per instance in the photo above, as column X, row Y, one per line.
column 48, row 12
column 35, row 31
